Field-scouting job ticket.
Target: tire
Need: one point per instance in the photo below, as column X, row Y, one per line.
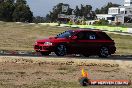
column 45, row 53
column 61, row 50
column 104, row 52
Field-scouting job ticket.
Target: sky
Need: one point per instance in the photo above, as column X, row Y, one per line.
column 42, row 7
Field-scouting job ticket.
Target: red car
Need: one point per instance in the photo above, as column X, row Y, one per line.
column 81, row 41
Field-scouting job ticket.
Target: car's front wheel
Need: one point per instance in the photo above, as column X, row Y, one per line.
column 61, row 50
column 104, row 52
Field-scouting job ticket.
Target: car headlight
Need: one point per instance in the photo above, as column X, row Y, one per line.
column 48, row 43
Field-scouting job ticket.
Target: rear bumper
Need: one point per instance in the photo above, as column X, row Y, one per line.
column 43, row 48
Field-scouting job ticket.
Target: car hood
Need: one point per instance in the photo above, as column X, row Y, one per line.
column 51, row 39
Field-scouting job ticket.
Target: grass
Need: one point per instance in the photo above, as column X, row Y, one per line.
column 123, row 43
column 22, row 36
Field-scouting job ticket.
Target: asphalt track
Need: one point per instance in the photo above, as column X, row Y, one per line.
column 75, row 56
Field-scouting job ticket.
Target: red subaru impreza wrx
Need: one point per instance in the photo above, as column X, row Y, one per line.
column 86, row 42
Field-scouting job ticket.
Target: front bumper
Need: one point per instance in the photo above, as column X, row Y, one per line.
column 41, row 48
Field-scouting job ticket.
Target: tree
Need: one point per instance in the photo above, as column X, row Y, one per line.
column 15, row 11
column 10, row 1
column 69, row 11
column 58, row 10
column 81, row 10
column 77, row 11
column 21, row 2
column 97, row 11
column 39, row 19
column 6, row 10
column 22, row 12
column 85, row 11
column 104, row 9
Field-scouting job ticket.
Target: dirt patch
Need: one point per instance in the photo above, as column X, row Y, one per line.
column 42, row 72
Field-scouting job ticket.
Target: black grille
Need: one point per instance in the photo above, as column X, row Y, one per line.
column 38, row 47
column 40, row 42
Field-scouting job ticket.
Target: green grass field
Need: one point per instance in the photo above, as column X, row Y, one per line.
column 22, row 36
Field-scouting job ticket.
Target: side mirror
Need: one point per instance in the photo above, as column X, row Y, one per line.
column 74, row 37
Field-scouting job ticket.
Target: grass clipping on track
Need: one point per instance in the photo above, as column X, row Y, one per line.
column 22, row 36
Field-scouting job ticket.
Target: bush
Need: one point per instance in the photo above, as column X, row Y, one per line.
column 118, row 23
column 102, row 22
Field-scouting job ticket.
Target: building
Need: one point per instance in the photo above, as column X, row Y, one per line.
column 114, row 11
column 122, row 14
column 128, row 3
column 125, row 15
column 108, row 17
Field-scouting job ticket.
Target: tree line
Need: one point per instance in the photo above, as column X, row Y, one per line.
column 19, row 11
column 15, row 10
column 85, row 11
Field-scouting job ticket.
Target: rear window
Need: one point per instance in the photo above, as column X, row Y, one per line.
column 105, row 36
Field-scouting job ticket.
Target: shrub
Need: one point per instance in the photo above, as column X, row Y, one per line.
column 102, row 22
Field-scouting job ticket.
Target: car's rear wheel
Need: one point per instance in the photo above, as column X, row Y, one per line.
column 61, row 50
column 104, row 52
column 45, row 53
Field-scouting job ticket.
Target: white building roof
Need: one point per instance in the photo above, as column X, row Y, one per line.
column 104, row 15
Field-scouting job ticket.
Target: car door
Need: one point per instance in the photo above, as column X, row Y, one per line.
column 92, row 42
column 86, row 42
column 77, row 45
column 81, row 42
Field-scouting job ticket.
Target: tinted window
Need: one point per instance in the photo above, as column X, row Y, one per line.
column 81, row 36
column 92, row 36
column 65, row 34
column 105, row 36
column 87, row 36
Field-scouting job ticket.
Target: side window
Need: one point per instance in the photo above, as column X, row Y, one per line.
column 91, row 36
column 80, row 36
column 87, row 36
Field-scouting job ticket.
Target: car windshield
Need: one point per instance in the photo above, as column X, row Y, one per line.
column 65, row 34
